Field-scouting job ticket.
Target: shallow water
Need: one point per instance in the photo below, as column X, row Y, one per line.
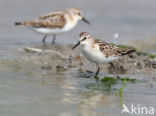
column 29, row 91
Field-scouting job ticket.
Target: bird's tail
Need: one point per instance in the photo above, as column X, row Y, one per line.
column 18, row 23
column 126, row 52
column 27, row 23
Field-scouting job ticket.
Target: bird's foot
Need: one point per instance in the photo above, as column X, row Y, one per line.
column 96, row 78
column 118, row 77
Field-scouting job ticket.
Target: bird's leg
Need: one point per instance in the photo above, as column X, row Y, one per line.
column 44, row 38
column 53, row 41
column 97, row 72
column 114, row 70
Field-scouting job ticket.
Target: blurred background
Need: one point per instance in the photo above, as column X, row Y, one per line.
column 133, row 20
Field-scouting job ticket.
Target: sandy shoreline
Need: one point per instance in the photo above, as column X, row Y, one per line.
column 59, row 58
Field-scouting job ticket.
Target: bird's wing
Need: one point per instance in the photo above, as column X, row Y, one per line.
column 124, row 51
column 112, row 50
column 106, row 48
column 51, row 20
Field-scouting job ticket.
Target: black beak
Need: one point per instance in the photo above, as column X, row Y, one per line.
column 78, row 43
column 85, row 20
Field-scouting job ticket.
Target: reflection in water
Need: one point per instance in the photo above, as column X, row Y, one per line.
column 89, row 102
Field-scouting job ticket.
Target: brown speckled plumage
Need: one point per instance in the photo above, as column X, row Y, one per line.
column 48, row 21
column 55, row 19
column 84, row 34
column 110, row 50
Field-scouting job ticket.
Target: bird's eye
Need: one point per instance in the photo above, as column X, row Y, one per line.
column 84, row 39
column 79, row 14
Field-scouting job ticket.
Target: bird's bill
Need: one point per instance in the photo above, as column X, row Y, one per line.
column 85, row 20
column 78, row 43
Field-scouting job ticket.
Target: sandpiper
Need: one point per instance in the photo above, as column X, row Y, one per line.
column 99, row 52
column 55, row 22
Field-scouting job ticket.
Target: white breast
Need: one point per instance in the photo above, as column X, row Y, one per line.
column 70, row 23
column 47, row 31
column 95, row 55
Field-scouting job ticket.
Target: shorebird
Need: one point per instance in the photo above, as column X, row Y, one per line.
column 99, row 52
column 55, row 22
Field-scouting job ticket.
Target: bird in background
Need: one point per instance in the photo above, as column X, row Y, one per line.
column 54, row 23
column 99, row 52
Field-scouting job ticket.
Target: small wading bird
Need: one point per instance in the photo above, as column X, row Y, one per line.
column 55, row 22
column 99, row 52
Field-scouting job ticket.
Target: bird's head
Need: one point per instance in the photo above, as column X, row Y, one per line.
column 78, row 14
column 84, row 39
